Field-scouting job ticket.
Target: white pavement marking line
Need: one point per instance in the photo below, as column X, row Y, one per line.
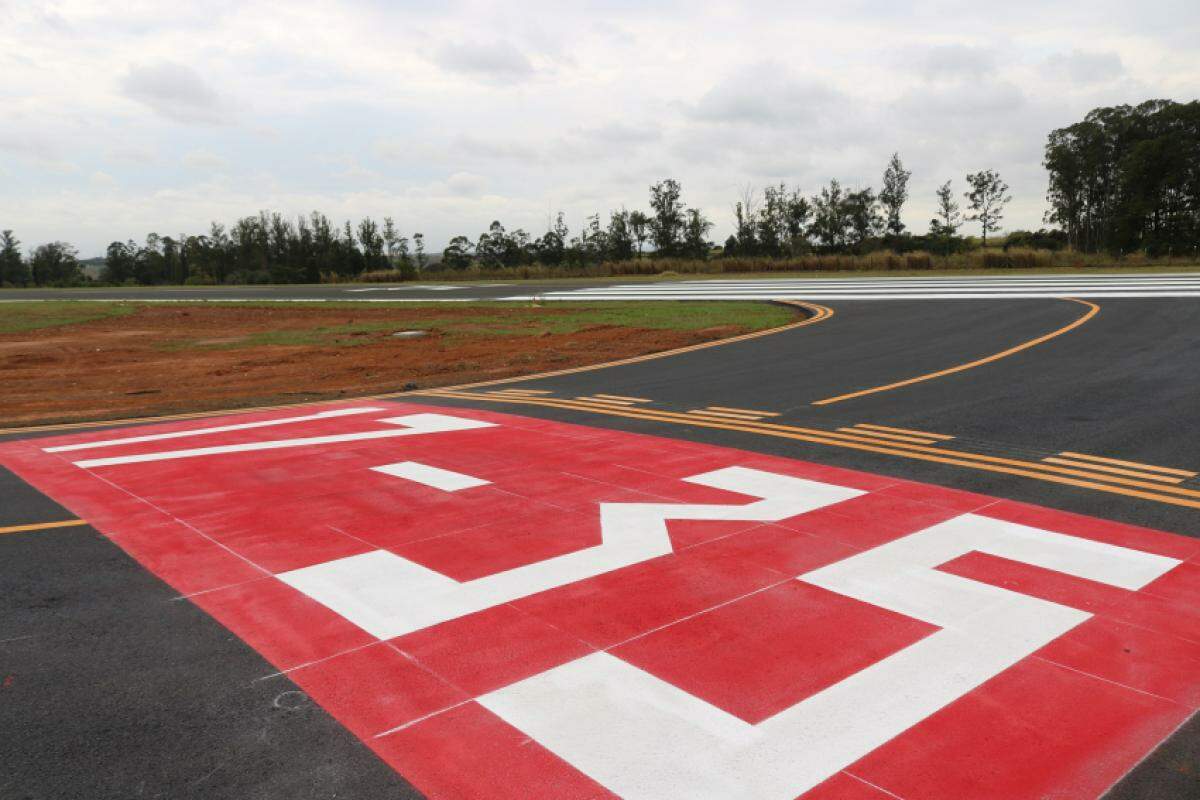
column 645, row 739
column 427, row 288
column 919, row 288
column 444, row 479
column 387, row 595
column 415, row 424
column 243, row 426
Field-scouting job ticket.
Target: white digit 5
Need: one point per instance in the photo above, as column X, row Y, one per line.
column 645, row 739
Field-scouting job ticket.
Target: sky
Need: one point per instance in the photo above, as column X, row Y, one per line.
column 119, row 119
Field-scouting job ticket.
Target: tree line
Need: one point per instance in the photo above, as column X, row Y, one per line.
column 267, row 248
column 782, row 222
column 1127, row 178
column 670, row 228
column 1124, row 179
column 270, row 248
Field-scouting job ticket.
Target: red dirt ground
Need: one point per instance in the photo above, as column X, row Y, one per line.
column 148, row 362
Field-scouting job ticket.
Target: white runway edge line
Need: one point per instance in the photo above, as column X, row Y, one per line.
column 950, row 288
column 243, row 426
column 414, row 424
column 825, row 296
column 645, row 739
column 403, row 288
column 849, row 284
column 898, row 286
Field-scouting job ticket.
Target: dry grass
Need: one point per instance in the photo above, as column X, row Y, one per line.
column 989, row 260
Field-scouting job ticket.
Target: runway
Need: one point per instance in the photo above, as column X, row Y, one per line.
column 965, row 288
column 1055, row 415
column 970, row 287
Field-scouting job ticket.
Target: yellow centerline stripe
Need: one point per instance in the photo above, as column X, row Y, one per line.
column 908, row 431
column 620, row 397
column 743, row 411
column 1093, row 310
column 42, row 526
column 819, row 313
column 952, row 457
column 522, row 391
column 1169, row 470
column 1115, row 470
column 895, row 437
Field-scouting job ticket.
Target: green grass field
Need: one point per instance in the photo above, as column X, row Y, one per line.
column 20, row 317
column 509, row 319
column 488, row 320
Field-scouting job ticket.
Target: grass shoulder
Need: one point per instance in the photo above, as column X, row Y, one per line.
column 109, row 360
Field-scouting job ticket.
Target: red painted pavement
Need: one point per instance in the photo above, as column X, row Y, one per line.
column 721, row 617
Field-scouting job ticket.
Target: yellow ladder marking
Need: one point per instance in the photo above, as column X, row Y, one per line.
column 907, row 431
column 1169, row 470
column 895, row 437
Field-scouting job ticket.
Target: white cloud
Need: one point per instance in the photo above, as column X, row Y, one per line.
column 1086, row 67
column 205, row 161
column 765, row 94
column 447, row 116
column 175, row 91
column 955, row 62
column 466, row 184
column 620, row 134
column 26, row 143
column 485, row 147
column 493, row 61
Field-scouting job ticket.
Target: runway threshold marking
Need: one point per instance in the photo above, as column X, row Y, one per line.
column 1092, row 311
column 582, row 612
column 43, row 526
column 819, row 313
column 1112, row 484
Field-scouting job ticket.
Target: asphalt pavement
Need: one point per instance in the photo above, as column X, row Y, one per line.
column 107, row 674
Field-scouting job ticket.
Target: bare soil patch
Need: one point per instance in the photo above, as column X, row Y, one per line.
column 174, row 358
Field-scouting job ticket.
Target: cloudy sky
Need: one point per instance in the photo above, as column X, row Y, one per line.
column 162, row 117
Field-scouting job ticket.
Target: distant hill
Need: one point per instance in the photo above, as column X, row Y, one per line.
column 92, row 266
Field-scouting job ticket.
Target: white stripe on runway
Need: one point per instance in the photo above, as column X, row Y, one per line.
column 413, row 424
column 817, row 295
column 244, row 426
column 906, row 288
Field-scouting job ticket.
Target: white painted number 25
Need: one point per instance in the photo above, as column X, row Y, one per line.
column 645, row 739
